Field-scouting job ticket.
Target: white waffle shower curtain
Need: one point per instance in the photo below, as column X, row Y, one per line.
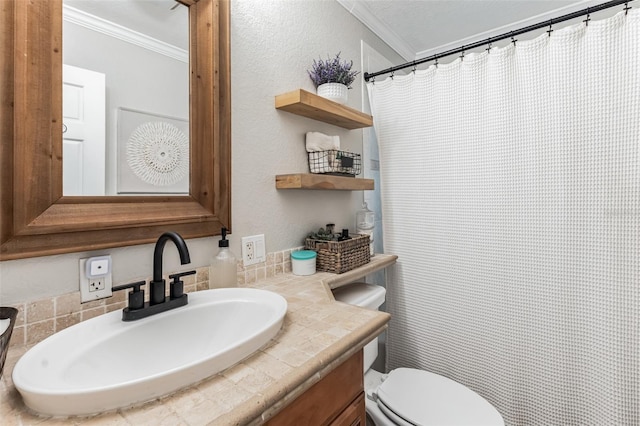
column 511, row 194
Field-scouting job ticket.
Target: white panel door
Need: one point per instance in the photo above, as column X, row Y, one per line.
column 83, row 149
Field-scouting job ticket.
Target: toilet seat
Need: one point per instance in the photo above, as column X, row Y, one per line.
column 418, row 397
column 393, row 417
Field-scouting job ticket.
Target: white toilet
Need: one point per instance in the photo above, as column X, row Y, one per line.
column 407, row 396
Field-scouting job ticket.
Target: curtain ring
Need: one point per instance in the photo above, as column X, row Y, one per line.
column 550, row 30
column 462, row 54
column 626, row 8
column 513, row 40
column 392, row 73
column 586, row 21
column 415, row 67
column 64, row 128
column 488, row 49
column 436, row 63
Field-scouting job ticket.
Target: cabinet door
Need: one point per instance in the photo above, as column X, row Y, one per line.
column 353, row 415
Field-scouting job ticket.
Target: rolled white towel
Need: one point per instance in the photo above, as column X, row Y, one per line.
column 317, row 141
column 4, row 324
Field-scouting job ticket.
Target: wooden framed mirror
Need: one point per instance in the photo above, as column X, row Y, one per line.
column 35, row 218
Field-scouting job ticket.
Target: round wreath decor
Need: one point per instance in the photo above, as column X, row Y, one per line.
column 158, row 153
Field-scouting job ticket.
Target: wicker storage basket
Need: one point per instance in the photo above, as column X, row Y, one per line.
column 340, row 256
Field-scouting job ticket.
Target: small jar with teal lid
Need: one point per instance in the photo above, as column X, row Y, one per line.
column 303, row 262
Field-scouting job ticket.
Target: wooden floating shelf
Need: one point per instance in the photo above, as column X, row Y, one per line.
column 309, row 105
column 318, row 181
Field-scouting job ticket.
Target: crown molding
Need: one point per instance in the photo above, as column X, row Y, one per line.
column 114, row 30
column 362, row 12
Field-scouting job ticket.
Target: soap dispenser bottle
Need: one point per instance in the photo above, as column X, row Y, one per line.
column 223, row 269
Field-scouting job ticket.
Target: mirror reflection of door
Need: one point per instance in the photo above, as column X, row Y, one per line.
column 83, row 138
column 141, row 48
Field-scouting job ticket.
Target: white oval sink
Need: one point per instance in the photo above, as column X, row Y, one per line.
column 104, row 363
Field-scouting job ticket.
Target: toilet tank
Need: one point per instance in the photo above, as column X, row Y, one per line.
column 368, row 296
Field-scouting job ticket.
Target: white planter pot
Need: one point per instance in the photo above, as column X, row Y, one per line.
column 336, row 92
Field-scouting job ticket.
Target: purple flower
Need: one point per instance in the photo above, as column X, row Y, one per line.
column 332, row 71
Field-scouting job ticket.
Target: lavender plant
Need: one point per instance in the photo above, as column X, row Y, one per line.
column 333, row 70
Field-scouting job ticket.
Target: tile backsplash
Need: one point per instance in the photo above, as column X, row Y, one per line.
column 39, row 319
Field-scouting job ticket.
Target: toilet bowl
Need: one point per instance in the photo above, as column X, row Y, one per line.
column 408, row 396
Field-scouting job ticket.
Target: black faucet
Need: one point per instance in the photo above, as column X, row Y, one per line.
column 157, row 287
column 137, row 308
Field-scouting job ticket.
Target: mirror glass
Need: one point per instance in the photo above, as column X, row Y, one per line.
column 125, row 97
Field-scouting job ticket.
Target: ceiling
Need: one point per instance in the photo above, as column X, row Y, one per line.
column 420, row 28
column 413, row 28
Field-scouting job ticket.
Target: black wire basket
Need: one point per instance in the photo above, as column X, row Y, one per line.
column 334, row 162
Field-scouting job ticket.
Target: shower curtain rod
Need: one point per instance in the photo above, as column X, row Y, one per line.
column 510, row 34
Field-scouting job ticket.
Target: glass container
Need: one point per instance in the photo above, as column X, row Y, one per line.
column 365, row 222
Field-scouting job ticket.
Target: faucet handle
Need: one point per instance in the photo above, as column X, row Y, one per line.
column 175, row 277
column 136, row 297
column 177, row 286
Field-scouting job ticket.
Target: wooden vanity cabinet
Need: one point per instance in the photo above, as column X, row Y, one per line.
column 336, row 400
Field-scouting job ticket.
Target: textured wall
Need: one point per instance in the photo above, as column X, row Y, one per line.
column 273, row 44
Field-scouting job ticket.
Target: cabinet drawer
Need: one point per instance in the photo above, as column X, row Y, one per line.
column 354, row 415
column 325, row 401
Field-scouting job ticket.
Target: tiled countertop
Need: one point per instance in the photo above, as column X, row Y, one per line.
column 317, row 335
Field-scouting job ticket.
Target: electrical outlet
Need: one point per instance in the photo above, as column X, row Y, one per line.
column 249, row 250
column 99, row 286
column 253, row 250
column 96, row 284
